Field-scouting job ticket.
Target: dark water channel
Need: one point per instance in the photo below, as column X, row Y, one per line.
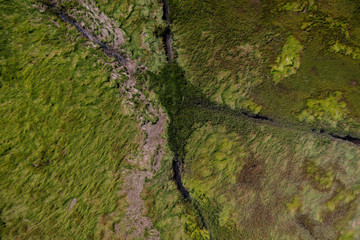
column 167, row 41
column 177, row 163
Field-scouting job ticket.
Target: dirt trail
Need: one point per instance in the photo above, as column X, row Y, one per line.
column 107, row 26
column 136, row 224
column 149, row 162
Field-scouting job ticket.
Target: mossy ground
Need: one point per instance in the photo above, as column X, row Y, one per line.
column 64, row 131
column 261, row 183
column 66, row 134
column 253, row 180
column 271, row 56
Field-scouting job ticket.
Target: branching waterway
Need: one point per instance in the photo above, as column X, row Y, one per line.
column 177, row 161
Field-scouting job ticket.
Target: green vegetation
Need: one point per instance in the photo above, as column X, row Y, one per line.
column 67, row 132
column 141, row 21
column 64, row 135
column 323, row 179
column 250, row 182
column 343, row 197
column 271, row 57
column 294, row 205
column 210, row 38
column 246, row 178
column 289, row 60
column 299, row 6
column 326, row 112
column 173, row 217
column 342, row 48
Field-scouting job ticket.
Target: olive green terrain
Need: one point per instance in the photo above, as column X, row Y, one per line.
column 275, row 57
column 264, row 183
column 141, row 21
column 296, row 62
column 65, row 136
column 252, row 179
column 67, row 133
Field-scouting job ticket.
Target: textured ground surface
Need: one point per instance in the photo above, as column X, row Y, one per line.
column 87, row 142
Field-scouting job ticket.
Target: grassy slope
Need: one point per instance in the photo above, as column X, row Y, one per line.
column 230, row 48
column 64, row 134
column 251, row 180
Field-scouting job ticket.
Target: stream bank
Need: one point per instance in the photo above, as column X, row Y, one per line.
column 181, row 100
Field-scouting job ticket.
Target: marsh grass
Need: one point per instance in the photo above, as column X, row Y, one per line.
column 320, row 75
column 269, row 188
column 246, row 178
column 141, row 21
column 327, row 112
column 171, row 215
column 64, row 135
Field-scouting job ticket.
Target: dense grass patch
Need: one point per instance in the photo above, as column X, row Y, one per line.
column 328, row 111
column 212, row 42
column 289, row 60
column 64, row 135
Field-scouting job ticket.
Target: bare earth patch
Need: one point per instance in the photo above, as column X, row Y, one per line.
column 106, row 26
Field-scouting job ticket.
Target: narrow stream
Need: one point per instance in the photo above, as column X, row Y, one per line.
column 167, row 33
column 177, row 163
column 167, row 40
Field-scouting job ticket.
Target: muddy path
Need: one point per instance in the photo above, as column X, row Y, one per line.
column 110, row 52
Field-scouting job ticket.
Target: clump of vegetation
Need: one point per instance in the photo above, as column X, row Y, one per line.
column 294, row 205
column 323, row 179
column 338, row 47
column 288, row 61
column 343, row 197
column 329, row 111
column 300, row 6
column 220, row 150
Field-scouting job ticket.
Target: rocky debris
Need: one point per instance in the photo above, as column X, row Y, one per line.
column 105, row 25
column 72, row 203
